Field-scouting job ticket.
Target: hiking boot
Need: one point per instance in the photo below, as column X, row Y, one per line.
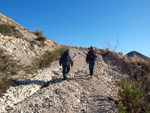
column 91, row 76
column 65, row 77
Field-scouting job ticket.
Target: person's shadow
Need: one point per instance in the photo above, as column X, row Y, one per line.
column 45, row 84
column 29, row 82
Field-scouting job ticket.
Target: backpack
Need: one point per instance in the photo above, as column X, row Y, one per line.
column 65, row 57
column 91, row 55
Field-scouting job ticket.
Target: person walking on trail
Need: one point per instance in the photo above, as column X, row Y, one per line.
column 90, row 58
column 65, row 60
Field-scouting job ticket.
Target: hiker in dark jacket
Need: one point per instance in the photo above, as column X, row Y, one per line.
column 65, row 60
column 90, row 58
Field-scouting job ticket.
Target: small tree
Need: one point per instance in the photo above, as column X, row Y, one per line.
column 39, row 33
column 40, row 36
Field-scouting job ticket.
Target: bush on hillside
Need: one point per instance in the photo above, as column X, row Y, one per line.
column 5, row 83
column 10, row 30
column 133, row 94
column 133, row 97
column 39, row 33
column 40, row 36
column 47, row 58
column 7, row 67
column 34, row 42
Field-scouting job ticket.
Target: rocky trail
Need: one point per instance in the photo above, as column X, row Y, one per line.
column 46, row 92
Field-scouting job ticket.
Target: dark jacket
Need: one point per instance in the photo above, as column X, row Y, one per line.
column 69, row 59
column 88, row 56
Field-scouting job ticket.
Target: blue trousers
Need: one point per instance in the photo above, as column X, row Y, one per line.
column 91, row 67
column 66, row 69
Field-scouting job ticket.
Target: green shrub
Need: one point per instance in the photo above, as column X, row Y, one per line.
column 35, row 42
column 10, row 30
column 39, row 33
column 5, row 83
column 47, row 58
column 78, row 70
column 40, row 36
column 7, row 67
column 131, row 94
column 12, row 68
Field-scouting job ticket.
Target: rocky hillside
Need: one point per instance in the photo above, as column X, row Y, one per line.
column 7, row 20
column 25, row 48
column 47, row 92
column 44, row 91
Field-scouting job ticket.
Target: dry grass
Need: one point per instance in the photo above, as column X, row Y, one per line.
column 10, row 30
column 5, row 83
column 104, row 52
column 46, row 59
column 8, row 67
column 138, row 62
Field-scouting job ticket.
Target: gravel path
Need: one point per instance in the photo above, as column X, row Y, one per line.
column 78, row 94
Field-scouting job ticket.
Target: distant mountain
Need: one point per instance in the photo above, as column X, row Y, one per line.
column 135, row 53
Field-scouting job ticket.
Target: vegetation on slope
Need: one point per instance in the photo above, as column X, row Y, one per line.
column 40, row 36
column 8, row 67
column 47, row 58
column 10, row 30
column 134, row 93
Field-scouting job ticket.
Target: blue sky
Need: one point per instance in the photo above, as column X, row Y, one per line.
column 86, row 22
